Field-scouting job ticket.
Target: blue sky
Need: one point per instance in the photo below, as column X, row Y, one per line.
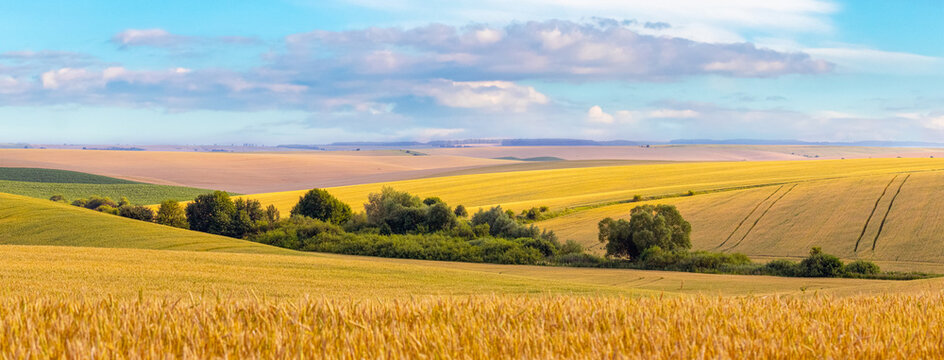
column 310, row 71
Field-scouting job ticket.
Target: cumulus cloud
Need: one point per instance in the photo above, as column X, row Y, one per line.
column 490, row 95
column 552, row 49
column 596, row 115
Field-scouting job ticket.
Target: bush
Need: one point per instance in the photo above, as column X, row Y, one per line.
column 820, row 264
column 571, row 247
column 781, row 267
column 136, row 212
column 319, row 204
column 293, row 233
column 501, row 224
column 107, row 209
column 95, row 202
column 58, row 198
column 862, row 267
column 171, row 214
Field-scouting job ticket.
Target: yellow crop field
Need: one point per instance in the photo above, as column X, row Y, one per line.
column 486, row 327
column 564, row 188
column 896, row 214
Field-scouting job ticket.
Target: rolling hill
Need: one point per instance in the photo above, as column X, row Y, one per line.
column 44, row 183
column 593, row 186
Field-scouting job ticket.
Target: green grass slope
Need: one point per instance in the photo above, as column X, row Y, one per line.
column 44, row 183
column 28, row 221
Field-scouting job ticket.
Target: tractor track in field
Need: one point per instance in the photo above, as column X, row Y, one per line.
column 759, row 203
column 871, row 214
column 762, row 215
column 890, row 204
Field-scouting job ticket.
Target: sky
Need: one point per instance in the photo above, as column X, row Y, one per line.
column 322, row 71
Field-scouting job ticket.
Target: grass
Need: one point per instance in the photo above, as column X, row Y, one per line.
column 478, row 327
column 44, row 183
column 28, row 221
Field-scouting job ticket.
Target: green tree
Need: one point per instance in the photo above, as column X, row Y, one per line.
column 319, row 204
column 648, row 226
column 460, row 211
column 136, row 212
column 862, row 267
column 212, row 213
column 248, row 214
column 272, row 214
column 820, row 264
column 171, row 214
column 440, row 217
column 380, row 207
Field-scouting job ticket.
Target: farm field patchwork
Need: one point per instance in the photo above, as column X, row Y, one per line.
column 245, row 172
column 567, row 188
column 44, row 183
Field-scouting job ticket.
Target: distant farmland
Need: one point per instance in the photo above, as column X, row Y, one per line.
column 44, row 183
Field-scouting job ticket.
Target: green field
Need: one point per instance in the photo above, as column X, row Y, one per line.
column 44, row 183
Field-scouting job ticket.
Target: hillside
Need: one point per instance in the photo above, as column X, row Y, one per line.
column 74, row 241
column 29, row 221
column 44, row 183
column 892, row 218
column 575, row 187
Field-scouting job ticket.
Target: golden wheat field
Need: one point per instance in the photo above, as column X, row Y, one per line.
column 891, row 218
column 563, row 188
column 483, row 326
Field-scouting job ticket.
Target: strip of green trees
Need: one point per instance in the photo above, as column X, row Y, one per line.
column 397, row 224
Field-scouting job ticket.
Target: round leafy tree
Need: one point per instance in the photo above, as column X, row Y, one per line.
column 648, row 226
column 319, row 204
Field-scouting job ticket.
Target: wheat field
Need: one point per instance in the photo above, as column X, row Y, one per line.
column 480, row 327
column 575, row 187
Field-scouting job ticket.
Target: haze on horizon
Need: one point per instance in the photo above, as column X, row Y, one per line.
column 307, row 71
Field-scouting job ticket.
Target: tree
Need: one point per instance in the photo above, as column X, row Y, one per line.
column 212, row 213
column 136, row 212
column 171, row 214
column 648, row 226
column 319, row 204
column 460, row 211
column 380, row 207
column 440, row 217
column 820, row 264
column 432, row 200
column 271, row 214
column 862, row 267
column 248, row 213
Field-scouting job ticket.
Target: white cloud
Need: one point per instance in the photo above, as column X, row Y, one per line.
column 147, row 37
column 596, row 115
column 490, row 95
column 10, row 85
column 71, row 79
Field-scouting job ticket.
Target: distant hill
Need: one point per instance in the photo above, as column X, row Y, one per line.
column 873, row 143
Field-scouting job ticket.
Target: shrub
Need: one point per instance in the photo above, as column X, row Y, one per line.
column 136, row 212
column 460, row 211
column 171, row 214
column 781, row 267
column 440, row 217
column 862, row 267
column 637, row 198
column 571, row 247
column 501, row 224
column 820, row 264
column 95, row 202
column 80, row 202
column 58, row 198
column 319, row 204
column 107, row 209
column 432, row 200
